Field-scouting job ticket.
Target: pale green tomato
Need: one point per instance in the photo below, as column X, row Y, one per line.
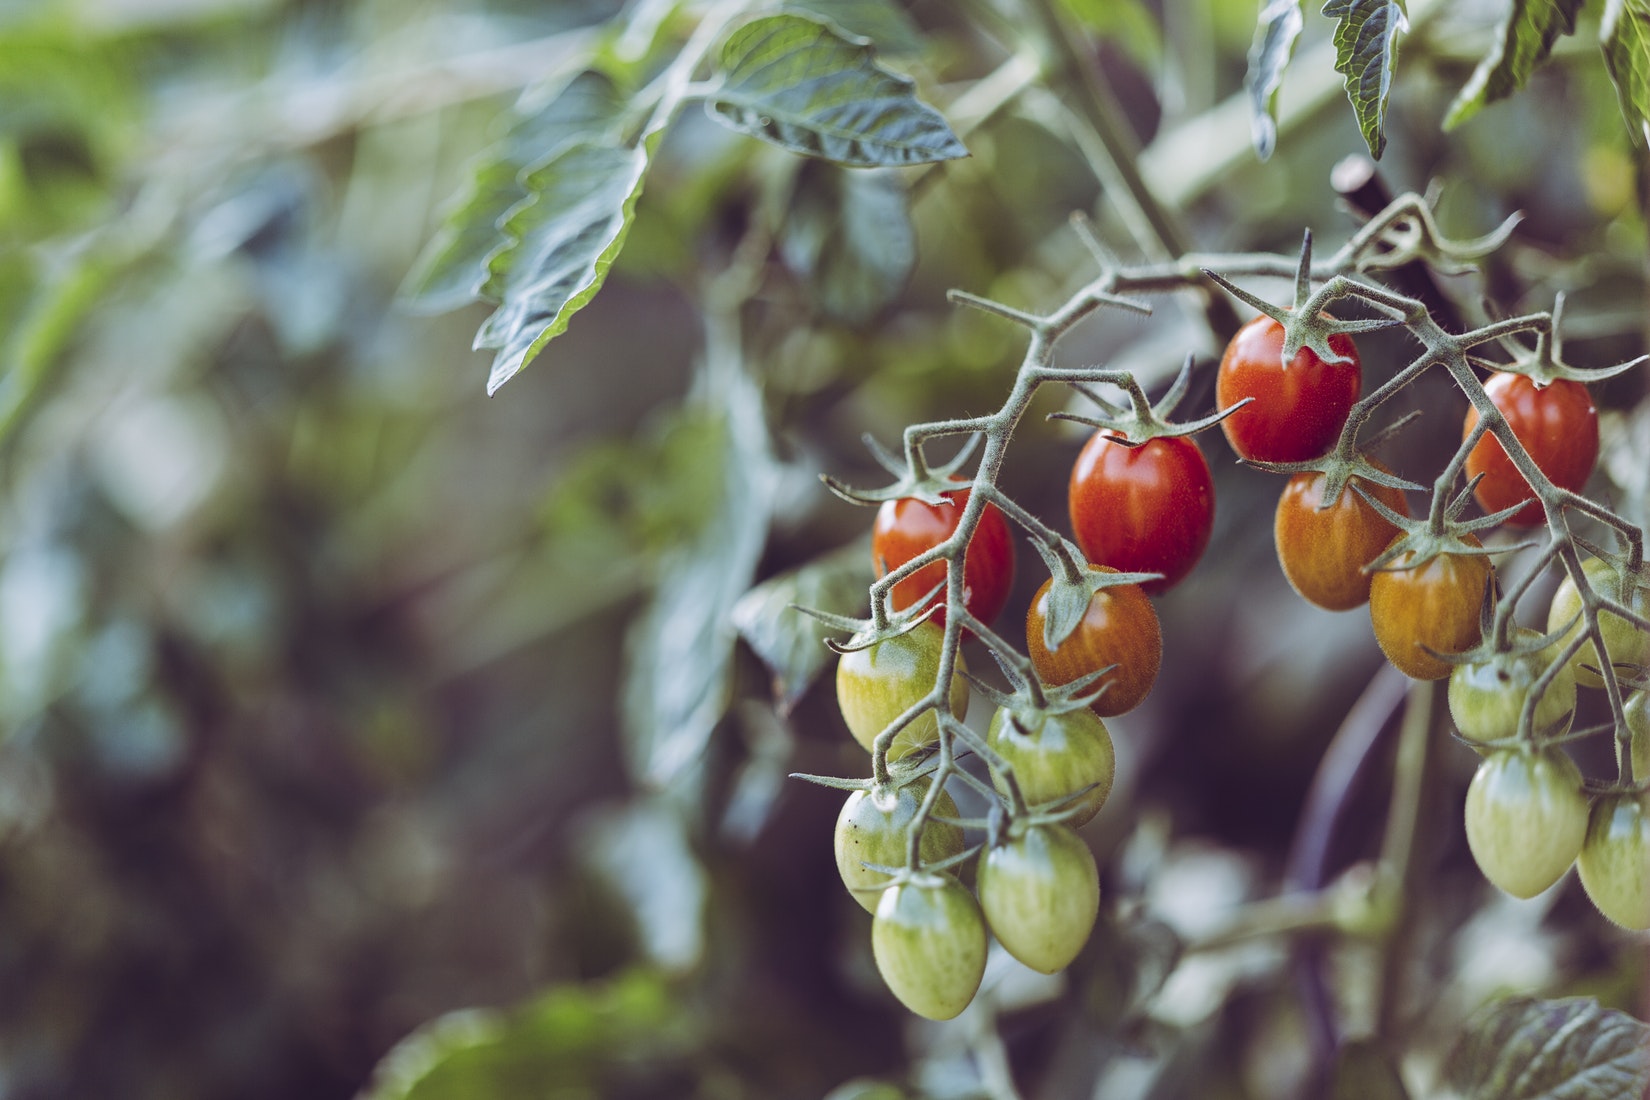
column 929, row 941
column 877, row 684
column 1627, row 645
column 1056, row 755
column 871, row 829
column 1526, row 818
column 1615, row 860
column 1040, row 893
column 1637, row 706
column 1485, row 697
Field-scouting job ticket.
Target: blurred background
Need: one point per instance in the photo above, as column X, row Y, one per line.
column 342, row 707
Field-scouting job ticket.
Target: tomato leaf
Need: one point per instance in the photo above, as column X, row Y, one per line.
column 790, row 643
column 801, row 85
column 1625, row 36
column 849, row 234
column 1526, row 38
column 1366, row 50
column 885, row 23
column 1275, row 33
column 1525, row 1049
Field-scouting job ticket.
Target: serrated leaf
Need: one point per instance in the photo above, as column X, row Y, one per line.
column 798, row 83
column 1366, row 50
column 1275, row 34
column 790, row 643
column 450, row 271
column 885, row 23
column 1524, row 40
column 849, row 234
column 1525, row 1049
column 1625, row 37
column 560, row 242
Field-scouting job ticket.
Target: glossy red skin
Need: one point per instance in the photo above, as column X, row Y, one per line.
column 1145, row 509
column 1120, row 627
column 1323, row 550
column 1298, row 412
column 906, row 527
column 1558, row 425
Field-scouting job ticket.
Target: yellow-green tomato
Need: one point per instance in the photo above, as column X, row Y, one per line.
column 872, row 827
column 1627, row 645
column 1040, row 892
column 929, row 941
column 1637, row 706
column 1486, row 697
column 877, row 684
column 1055, row 755
column 1526, row 818
column 1615, row 860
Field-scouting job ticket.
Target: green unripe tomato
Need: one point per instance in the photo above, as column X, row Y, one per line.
column 1056, row 755
column 877, row 684
column 1040, row 893
column 1637, row 707
column 871, row 829
column 1615, row 860
column 1627, row 645
column 929, row 941
column 1485, row 697
column 1526, row 818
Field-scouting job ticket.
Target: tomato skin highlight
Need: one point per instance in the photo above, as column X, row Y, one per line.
column 1055, row 756
column 1435, row 604
column 907, row 527
column 1526, row 819
column 1298, row 411
column 1486, row 697
column 1145, row 509
column 930, row 941
column 1040, row 893
column 1558, row 426
column 1120, row 627
column 871, row 829
column 1323, row 552
column 877, row 684
column 1626, row 645
column 1615, row 860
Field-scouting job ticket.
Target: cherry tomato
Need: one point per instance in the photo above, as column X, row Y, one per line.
column 1526, row 818
column 1145, row 509
column 1299, row 409
column 907, row 527
column 1615, row 859
column 1557, row 425
column 1637, row 708
column 1486, row 697
column 1323, row 550
column 1040, row 893
column 877, row 684
column 1120, row 627
column 1627, row 645
column 1055, row 755
column 1435, row 605
column 929, row 940
column 871, row 829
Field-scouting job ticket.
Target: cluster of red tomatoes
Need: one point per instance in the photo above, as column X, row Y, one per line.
column 1146, row 505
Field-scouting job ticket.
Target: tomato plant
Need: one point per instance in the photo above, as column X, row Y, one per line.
column 1615, row 859
column 1526, row 818
column 1636, row 710
column 1299, row 407
column 1557, row 425
column 1487, row 696
column 1323, row 551
column 907, row 527
column 1434, row 605
column 1628, row 647
column 929, row 941
column 1054, row 755
column 872, row 828
column 1040, row 892
column 1119, row 628
column 1142, row 509
column 877, row 684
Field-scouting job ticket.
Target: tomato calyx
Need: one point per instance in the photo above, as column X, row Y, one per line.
column 1544, row 364
column 865, row 633
column 1144, row 421
column 1516, row 680
column 1339, row 472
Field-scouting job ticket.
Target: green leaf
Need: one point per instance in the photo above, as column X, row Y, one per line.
column 1275, row 33
column 453, row 266
column 1525, row 1049
column 1363, row 1071
column 559, row 244
column 886, row 24
column 1526, row 38
column 1366, row 50
column 801, row 85
column 1625, row 36
column 849, row 235
column 790, row 643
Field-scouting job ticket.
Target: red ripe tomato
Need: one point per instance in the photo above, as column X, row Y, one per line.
column 907, row 527
column 1557, row 425
column 1323, row 550
column 1145, row 509
column 1120, row 628
column 1299, row 410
